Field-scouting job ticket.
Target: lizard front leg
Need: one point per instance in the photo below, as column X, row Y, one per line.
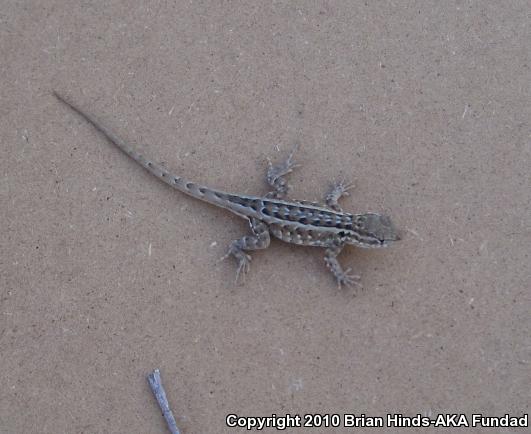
column 275, row 176
column 258, row 240
column 339, row 189
column 343, row 277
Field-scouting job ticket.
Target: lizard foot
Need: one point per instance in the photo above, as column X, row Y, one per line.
column 244, row 265
column 244, row 260
column 339, row 189
column 347, row 279
column 276, row 173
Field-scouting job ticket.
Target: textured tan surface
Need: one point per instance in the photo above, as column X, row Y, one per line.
column 108, row 273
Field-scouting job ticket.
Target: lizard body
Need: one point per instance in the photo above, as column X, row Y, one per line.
column 298, row 222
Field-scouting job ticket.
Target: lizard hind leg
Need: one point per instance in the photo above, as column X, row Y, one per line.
column 259, row 239
column 276, row 175
column 338, row 189
column 343, row 277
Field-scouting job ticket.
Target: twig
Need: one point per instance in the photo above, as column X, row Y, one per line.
column 155, row 382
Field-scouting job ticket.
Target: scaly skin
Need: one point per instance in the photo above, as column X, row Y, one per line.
column 297, row 222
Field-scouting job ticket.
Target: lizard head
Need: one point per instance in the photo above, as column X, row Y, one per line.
column 372, row 230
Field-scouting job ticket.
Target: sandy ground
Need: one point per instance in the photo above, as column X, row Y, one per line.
column 107, row 273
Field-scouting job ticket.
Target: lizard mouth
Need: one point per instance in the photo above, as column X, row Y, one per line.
column 387, row 241
column 396, row 237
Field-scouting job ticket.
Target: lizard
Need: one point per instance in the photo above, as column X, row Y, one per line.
column 302, row 223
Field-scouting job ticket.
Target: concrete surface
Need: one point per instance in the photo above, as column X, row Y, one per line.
column 108, row 273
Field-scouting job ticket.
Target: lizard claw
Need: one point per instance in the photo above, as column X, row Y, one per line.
column 244, row 260
column 244, row 265
column 347, row 279
column 225, row 256
column 275, row 175
column 341, row 188
column 338, row 190
column 274, row 172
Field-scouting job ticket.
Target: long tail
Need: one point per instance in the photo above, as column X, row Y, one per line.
column 220, row 198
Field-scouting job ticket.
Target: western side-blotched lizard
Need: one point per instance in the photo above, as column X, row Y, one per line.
column 298, row 222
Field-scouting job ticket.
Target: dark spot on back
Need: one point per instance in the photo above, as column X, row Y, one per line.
column 238, row 200
column 284, row 211
column 294, row 214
